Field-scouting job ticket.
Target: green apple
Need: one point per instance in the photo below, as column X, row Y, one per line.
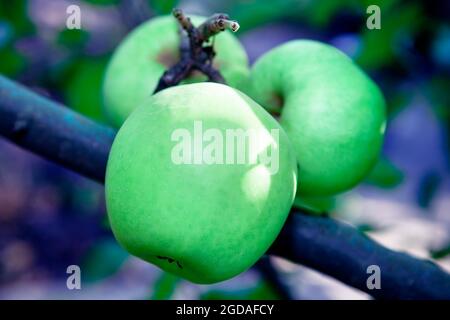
column 200, row 181
column 143, row 56
column 331, row 110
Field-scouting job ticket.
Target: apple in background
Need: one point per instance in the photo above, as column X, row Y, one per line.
column 333, row 113
column 143, row 56
column 204, row 219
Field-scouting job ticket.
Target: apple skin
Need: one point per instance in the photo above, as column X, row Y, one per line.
column 149, row 50
column 205, row 222
column 331, row 110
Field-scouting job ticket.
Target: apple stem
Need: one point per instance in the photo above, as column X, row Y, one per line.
column 194, row 54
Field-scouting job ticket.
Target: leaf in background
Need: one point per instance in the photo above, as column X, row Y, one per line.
column 437, row 90
column 385, row 174
column 315, row 205
column 16, row 13
column 365, row 227
column 253, row 13
column 103, row 260
column 162, row 6
column 84, row 86
column 428, row 187
column 263, row 291
column 379, row 46
column 319, row 13
column 14, row 23
column 165, row 286
column 11, row 62
column 383, row 4
column 105, row 224
column 397, row 100
column 441, row 253
column 73, row 38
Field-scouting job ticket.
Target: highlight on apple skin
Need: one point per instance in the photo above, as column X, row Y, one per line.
column 209, row 219
column 331, row 110
column 139, row 61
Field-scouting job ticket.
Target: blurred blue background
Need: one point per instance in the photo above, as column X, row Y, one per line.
column 51, row 218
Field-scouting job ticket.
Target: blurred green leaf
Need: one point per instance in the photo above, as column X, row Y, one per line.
column 163, row 6
column 379, row 46
column 437, row 91
column 16, row 13
column 11, row 62
column 428, row 187
column 165, row 286
column 385, row 5
column 14, row 23
column 103, row 260
column 397, row 101
column 253, row 13
column 319, row 13
column 84, row 86
column 366, row 227
column 385, row 174
column 105, row 224
column 315, row 205
column 73, row 38
column 263, row 291
column 441, row 253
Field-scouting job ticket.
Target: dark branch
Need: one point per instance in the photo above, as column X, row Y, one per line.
column 194, row 54
column 174, row 75
column 183, row 20
column 215, row 24
column 212, row 74
column 321, row 243
column 53, row 131
column 339, row 250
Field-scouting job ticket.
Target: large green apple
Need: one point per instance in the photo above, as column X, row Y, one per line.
column 333, row 113
column 199, row 181
column 140, row 60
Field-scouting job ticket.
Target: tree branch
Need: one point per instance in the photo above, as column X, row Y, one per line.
column 53, row 131
column 324, row 244
column 194, row 54
column 339, row 250
column 215, row 24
